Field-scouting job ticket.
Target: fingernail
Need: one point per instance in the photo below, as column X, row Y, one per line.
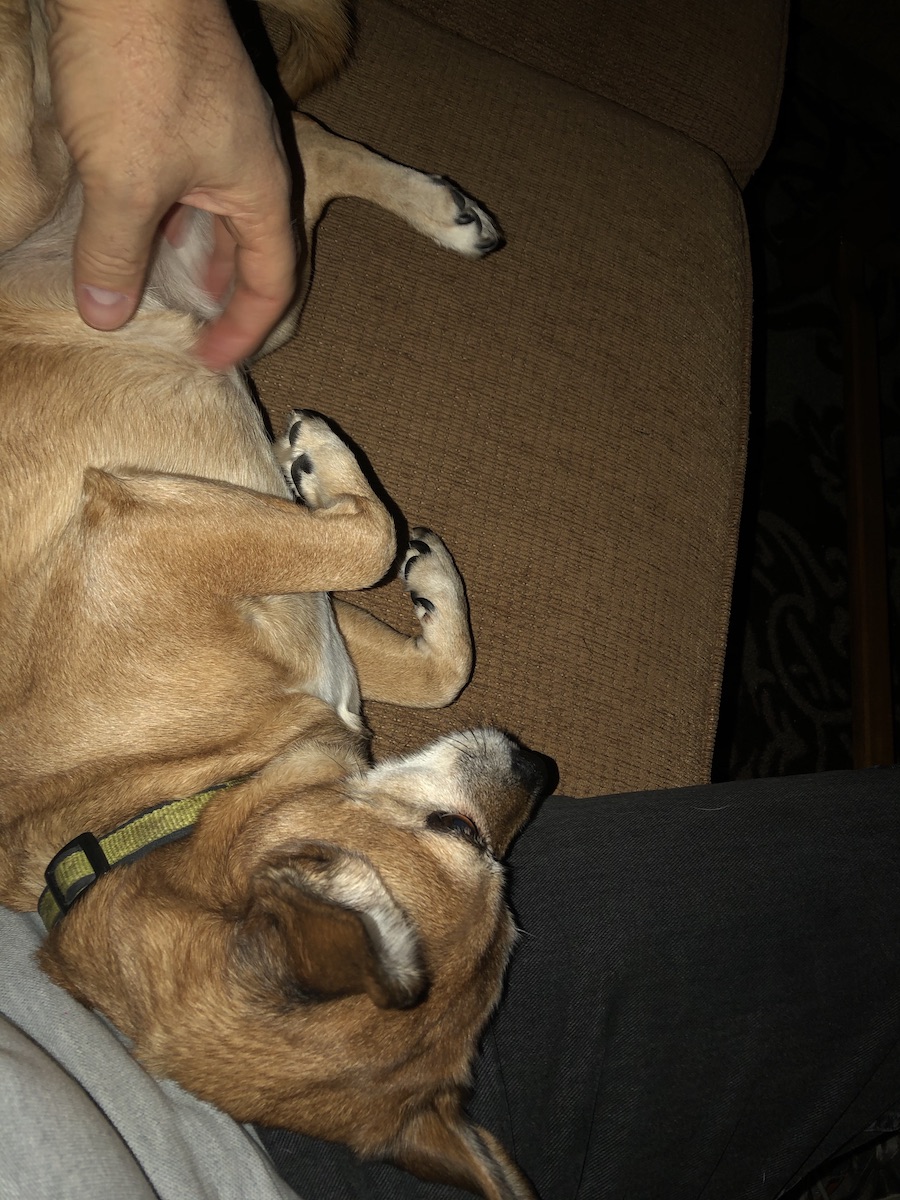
column 103, row 308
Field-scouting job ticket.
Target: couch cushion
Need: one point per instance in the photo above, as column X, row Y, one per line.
column 569, row 414
column 710, row 69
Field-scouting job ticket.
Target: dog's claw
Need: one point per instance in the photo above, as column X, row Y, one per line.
column 429, row 567
column 475, row 232
column 417, row 548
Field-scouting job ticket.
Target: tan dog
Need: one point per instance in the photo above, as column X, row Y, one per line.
column 323, row 949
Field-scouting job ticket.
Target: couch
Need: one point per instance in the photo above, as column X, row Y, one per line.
column 571, row 413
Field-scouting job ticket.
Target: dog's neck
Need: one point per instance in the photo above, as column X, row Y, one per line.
column 310, row 741
column 78, row 865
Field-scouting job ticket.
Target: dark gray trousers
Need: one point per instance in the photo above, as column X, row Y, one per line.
column 704, row 1002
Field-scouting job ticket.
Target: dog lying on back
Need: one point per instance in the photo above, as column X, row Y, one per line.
column 301, row 937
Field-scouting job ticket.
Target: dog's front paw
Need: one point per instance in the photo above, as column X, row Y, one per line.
column 436, row 589
column 434, row 584
column 315, row 462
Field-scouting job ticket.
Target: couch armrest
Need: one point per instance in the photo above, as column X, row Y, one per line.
column 708, row 69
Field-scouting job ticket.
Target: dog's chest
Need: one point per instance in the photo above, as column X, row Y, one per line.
column 335, row 681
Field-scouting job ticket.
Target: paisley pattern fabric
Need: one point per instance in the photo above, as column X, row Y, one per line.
column 786, row 705
column 871, row 1173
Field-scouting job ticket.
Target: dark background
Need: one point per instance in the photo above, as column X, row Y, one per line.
column 835, row 159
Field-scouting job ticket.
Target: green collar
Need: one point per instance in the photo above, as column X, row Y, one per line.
column 81, row 863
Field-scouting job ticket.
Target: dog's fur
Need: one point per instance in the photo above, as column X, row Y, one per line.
column 322, row 952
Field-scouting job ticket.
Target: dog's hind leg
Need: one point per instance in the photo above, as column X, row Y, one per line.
column 312, row 40
column 335, row 167
column 431, row 669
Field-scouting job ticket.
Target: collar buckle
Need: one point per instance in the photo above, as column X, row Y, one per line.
column 97, row 861
column 82, row 861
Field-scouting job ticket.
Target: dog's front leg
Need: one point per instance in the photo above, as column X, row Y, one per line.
column 431, row 669
column 232, row 541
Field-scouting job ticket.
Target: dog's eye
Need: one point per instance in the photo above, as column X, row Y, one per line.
column 449, row 822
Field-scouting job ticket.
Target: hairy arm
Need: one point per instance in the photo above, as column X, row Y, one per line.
column 160, row 106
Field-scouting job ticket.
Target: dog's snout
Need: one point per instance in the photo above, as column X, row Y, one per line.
column 538, row 773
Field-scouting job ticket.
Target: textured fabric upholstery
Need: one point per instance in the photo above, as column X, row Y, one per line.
column 711, row 69
column 569, row 414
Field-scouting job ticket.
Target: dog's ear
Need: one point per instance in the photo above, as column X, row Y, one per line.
column 439, row 1144
column 321, row 923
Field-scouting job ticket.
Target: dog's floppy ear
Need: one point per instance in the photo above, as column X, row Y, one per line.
column 439, row 1144
column 321, row 923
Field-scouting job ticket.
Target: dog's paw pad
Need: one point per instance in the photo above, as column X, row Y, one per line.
column 466, row 228
column 308, row 446
column 430, row 576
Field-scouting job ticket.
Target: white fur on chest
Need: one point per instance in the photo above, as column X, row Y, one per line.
column 336, row 682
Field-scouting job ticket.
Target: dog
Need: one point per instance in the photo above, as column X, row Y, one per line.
column 304, row 937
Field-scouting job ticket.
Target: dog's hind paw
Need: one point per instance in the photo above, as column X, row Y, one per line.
column 454, row 220
column 475, row 233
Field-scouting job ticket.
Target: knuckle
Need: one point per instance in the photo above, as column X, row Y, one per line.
column 108, row 262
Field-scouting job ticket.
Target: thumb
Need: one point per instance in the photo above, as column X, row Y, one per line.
column 112, row 252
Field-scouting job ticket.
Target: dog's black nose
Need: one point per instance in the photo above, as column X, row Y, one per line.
column 538, row 773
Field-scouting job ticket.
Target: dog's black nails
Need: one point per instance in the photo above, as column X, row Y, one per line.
column 422, row 547
column 465, row 218
column 302, row 465
column 294, row 432
column 422, row 602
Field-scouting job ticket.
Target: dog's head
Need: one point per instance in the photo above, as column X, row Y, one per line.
column 375, row 926
column 323, row 953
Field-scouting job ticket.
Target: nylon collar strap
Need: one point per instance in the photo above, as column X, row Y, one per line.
column 82, row 861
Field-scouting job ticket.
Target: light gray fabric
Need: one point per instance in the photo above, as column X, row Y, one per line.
column 92, row 1123
column 81, row 1155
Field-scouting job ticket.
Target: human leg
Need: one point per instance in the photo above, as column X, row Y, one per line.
column 705, row 1000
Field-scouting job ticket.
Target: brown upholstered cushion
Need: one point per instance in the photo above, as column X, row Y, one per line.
column 711, row 69
column 568, row 414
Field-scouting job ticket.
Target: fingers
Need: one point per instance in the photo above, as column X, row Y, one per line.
column 263, row 264
column 175, row 224
column 112, row 251
column 160, row 106
column 220, row 269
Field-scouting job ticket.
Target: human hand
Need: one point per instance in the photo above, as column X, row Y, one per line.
column 159, row 105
